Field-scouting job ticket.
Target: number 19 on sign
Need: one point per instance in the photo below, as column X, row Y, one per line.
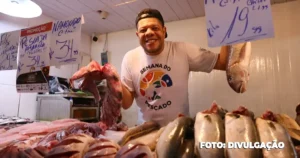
column 236, row 21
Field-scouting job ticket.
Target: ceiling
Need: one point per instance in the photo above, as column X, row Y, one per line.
column 121, row 13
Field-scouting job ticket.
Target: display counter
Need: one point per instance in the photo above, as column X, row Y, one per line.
column 52, row 107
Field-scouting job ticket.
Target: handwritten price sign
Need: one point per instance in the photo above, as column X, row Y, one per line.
column 9, row 42
column 34, row 47
column 33, row 56
column 236, row 21
column 65, row 42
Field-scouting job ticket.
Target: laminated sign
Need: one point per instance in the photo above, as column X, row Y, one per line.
column 9, row 42
column 34, row 45
column 65, row 41
column 236, row 21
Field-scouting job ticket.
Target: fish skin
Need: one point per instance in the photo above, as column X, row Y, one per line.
column 237, row 69
column 172, row 137
column 270, row 131
column 187, row 149
column 102, row 148
column 209, row 122
column 134, row 150
column 145, row 128
column 75, row 145
column 149, row 139
column 240, row 128
column 152, row 145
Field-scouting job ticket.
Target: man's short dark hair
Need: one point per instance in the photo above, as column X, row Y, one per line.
column 150, row 13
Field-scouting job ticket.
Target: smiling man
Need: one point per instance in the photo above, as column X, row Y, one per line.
column 156, row 73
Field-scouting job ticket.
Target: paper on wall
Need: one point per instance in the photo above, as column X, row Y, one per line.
column 9, row 42
column 65, row 42
column 236, row 21
column 32, row 57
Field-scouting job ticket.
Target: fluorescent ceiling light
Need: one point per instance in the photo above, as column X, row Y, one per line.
column 127, row 2
column 20, row 8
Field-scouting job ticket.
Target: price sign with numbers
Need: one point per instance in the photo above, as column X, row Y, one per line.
column 9, row 42
column 237, row 21
column 65, row 42
column 33, row 56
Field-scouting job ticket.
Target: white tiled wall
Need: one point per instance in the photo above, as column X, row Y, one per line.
column 10, row 100
column 274, row 81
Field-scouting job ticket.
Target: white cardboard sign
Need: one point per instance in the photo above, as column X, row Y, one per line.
column 9, row 43
column 65, row 42
column 236, row 21
column 33, row 54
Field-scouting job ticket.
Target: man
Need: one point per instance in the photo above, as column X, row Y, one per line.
column 156, row 73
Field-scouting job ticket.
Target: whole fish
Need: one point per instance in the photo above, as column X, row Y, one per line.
column 171, row 138
column 138, row 131
column 241, row 128
column 237, row 69
column 269, row 131
column 209, row 121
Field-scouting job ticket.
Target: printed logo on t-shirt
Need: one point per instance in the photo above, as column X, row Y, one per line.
column 155, row 80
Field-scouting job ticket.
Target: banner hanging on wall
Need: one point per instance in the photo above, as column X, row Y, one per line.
column 236, row 21
column 9, row 43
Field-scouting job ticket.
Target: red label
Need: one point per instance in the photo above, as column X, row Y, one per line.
column 37, row 29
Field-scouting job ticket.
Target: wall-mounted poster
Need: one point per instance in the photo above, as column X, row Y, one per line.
column 104, row 58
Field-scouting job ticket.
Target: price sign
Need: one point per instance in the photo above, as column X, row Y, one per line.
column 237, row 21
column 65, row 42
column 33, row 56
column 9, row 42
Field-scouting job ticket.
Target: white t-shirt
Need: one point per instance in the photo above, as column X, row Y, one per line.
column 161, row 82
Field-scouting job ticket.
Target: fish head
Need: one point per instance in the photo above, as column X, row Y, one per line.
column 269, row 115
column 237, row 78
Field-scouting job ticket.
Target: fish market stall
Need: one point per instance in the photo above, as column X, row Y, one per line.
column 180, row 138
column 183, row 137
column 83, row 117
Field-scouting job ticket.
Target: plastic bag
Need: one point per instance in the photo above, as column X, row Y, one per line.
column 55, row 86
